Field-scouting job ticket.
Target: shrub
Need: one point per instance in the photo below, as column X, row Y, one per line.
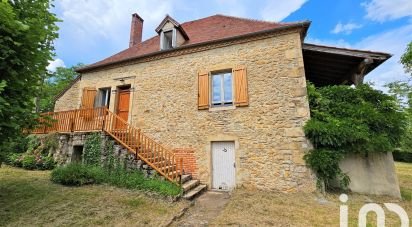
column 80, row 174
column 77, row 174
column 29, row 162
column 14, row 159
column 48, row 163
column 402, row 156
column 349, row 120
column 33, row 142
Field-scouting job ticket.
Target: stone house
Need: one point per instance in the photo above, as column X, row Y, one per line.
column 227, row 95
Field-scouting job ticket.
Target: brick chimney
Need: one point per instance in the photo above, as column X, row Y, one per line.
column 136, row 30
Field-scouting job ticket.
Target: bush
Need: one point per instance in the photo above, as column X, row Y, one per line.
column 29, row 162
column 402, row 156
column 80, row 174
column 48, row 163
column 349, row 120
column 77, row 175
column 14, row 159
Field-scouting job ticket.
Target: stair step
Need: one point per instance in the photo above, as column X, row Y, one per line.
column 169, row 167
column 151, row 157
column 186, row 178
column 161, row 163
column 190, row 184
column 194, row 192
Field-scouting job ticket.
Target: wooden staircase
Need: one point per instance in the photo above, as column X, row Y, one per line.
column 142, row 146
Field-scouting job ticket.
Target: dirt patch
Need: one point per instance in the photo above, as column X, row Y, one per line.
column 204, row 210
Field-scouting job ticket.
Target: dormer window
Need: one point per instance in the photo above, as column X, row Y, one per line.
column 171, row 34
column 168, row 39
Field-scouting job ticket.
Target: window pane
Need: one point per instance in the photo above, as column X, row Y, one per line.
column 216, row 89
column 168, row 36
column 103, row 97
column 228, row 87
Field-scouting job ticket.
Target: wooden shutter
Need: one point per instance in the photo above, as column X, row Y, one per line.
column 89, row 95
column 241, row 93
column 203, row 90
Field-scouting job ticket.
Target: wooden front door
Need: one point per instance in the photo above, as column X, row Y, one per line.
column 122, row 109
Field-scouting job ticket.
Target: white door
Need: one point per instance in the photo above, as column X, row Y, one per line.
column 223, row 165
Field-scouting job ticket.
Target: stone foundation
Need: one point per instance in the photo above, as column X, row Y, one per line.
column 65, row 152
column 372, row 174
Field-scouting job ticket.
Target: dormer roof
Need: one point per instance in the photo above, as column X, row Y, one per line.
column 175, row 23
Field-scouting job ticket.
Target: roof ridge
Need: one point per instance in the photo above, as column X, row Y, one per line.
column 239, row 18
column 249, row 19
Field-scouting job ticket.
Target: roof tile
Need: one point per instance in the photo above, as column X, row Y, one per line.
column 199, row 31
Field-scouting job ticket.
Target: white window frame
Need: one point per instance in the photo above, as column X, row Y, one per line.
column 222, row 89
column 107, row 91
column 162, row 39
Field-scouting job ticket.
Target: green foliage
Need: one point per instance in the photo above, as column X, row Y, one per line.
column 80, row 174
column 33, row 142
column 110, row 159
column 402, row 156
column 350, row 120
column 402, row 91
column 27, row 31
column 92, row 149
column 77, row 174
column 37, row 154
column 29, row 161
column 406, row 58
column 15, row 159
column 55, row 83
column 16, row 145
column 326, row 164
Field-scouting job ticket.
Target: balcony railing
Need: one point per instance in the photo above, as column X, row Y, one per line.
column 101, row 119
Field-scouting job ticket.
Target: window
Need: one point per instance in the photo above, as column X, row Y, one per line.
column 167, row 40
column 103, row 97
column 222, row 89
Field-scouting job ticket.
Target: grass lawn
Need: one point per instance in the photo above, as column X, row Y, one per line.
column 299, row 209
column 30, row 198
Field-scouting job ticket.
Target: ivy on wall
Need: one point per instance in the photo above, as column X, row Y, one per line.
column 349, row 120
column 92, row 150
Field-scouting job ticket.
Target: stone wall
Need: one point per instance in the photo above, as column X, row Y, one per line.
column 269, row 133
column 372, row 174
column 70, row 99
column 64, row 152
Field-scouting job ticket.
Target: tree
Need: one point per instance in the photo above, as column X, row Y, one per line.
column 55, row 83
column 27, row 31
column 402, row 91
column 406, row 59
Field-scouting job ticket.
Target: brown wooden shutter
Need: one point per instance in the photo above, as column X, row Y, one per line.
column 203, row 90
column 241, row 93
column 89, row 95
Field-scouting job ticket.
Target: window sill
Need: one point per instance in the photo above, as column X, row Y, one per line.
column 221, row 108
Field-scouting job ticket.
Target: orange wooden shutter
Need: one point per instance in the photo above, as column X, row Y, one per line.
column 89, row 95
column 203, row 90
column 241, row 93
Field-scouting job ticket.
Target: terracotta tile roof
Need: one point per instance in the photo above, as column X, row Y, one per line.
column 204, row 30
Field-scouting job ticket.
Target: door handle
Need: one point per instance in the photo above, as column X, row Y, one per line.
column 234, row 165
